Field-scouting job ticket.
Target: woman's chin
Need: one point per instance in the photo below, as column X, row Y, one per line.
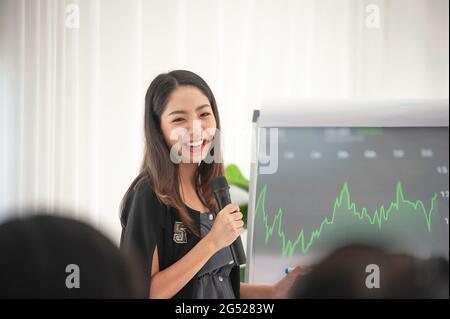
column 192, row 158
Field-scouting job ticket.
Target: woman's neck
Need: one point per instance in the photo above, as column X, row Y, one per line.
column 187, row 174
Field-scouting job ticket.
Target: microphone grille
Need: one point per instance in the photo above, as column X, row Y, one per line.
column 219, row 182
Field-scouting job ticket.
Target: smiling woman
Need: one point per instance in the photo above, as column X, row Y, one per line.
column 167, row 210
column 169, row 213
column 170, row 108
column 190, row 129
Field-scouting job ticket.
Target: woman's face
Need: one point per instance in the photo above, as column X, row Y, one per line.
column 188, row 124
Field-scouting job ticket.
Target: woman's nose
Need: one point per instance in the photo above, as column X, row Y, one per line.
column 195, row 128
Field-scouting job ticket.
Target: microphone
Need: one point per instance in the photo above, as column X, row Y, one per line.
column 222, row 195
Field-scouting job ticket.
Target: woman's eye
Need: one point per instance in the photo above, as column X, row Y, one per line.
column 179, row 119
column 204, row 114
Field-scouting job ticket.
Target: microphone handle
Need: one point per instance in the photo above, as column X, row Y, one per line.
column 236, row 247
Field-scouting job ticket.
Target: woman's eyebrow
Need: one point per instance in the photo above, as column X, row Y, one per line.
column 202, row 107
column 197, row 109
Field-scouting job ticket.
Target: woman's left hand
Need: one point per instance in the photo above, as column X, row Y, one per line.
column 282, row 288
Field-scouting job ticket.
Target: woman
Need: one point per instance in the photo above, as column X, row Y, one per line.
column 168, row 213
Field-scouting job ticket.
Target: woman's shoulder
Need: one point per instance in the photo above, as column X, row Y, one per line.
column 142, row 187
column 142, row 201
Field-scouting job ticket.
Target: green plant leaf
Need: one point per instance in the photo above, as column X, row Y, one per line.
column 235, row 177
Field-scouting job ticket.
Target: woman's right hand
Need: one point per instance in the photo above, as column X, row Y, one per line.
column 227, row 227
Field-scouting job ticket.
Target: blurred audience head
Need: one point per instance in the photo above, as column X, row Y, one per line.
column 369, row 272
column 52, row 257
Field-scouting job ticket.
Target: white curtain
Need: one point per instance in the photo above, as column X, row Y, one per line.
column 72, row 90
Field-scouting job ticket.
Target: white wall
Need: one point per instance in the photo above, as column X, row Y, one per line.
column 72, row 99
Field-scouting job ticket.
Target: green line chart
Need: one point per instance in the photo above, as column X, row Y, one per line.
column 380, row 217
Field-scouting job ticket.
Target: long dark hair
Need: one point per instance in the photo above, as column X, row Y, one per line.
column 157, row 166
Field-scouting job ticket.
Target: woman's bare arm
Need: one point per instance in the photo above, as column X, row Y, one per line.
column 249, row 291
column 168, row 282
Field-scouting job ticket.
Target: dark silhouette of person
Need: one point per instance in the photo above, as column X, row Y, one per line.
column 348, row 273
column 45, row 256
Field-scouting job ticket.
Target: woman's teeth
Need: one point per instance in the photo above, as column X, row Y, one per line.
column 195, row 144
